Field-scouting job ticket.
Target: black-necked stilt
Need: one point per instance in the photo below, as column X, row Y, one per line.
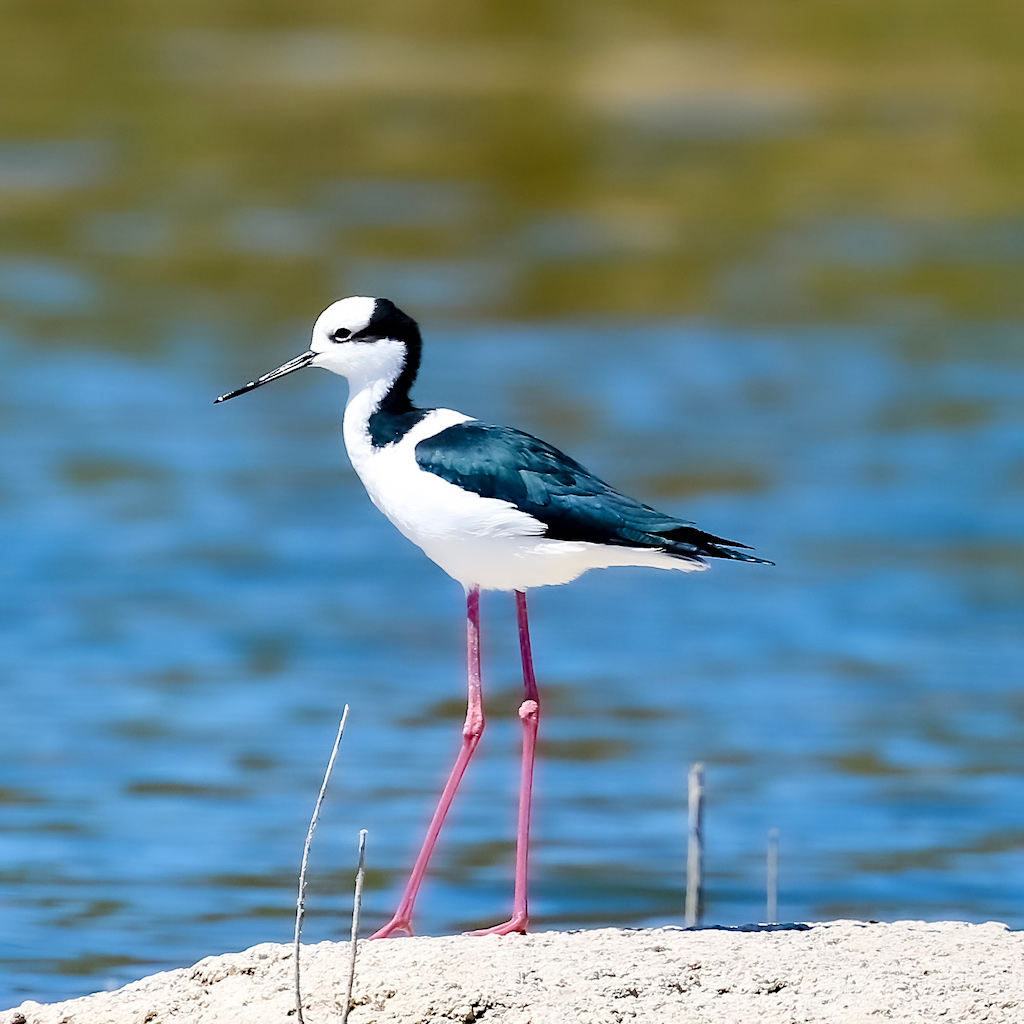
column 495, row 508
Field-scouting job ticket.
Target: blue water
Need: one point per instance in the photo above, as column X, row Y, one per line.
column 190, row 594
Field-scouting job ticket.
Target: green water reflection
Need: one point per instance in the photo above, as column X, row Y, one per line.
column 243, row 163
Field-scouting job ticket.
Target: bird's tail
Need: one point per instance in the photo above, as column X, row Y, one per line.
column 689, row 542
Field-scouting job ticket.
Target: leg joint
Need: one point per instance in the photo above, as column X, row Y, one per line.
column 473, row 728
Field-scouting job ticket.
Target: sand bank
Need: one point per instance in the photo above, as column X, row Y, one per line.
column 844, row 972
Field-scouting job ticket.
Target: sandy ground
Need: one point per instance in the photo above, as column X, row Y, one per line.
column 845, row 972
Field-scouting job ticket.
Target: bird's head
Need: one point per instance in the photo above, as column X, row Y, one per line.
column 363, row 339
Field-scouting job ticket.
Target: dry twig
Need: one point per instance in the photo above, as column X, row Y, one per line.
column 300, row 906
column 357, row 906
column 773, row 877
column 695, row 847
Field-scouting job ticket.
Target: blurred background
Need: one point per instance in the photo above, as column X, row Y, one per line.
column 758, row 263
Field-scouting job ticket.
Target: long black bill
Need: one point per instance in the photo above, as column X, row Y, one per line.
column 293, row 364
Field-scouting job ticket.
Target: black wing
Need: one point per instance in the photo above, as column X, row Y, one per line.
column 573, row 504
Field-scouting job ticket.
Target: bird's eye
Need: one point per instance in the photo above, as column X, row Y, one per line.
column 341, row 334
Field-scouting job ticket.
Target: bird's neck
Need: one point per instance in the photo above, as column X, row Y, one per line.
column 379, row 412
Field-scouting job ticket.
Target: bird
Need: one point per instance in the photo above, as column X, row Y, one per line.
column 495, row 508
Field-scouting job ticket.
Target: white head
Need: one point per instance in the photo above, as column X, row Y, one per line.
column 366, row 340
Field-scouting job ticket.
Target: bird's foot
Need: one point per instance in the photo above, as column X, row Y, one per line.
column 397, row 925
column 515, row 925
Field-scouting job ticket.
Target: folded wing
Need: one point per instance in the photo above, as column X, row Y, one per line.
column 573, row 504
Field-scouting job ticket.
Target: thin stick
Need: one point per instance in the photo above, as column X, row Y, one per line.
column 357, row 906
column 695, row 847
column 773, row 876
column 300, row 906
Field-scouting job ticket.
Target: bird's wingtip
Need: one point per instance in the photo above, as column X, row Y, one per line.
column 742, row 556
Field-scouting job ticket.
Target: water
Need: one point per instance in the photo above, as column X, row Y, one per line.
column 194, row 592
column 759, row 267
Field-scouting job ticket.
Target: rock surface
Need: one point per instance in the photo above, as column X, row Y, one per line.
column 844, row 972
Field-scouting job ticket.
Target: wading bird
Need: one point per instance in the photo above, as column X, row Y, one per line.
column 495, row 508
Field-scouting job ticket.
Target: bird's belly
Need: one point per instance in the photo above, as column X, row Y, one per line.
column 508, row 563
column 519, row 563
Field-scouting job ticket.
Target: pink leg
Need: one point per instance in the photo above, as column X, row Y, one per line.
column 529, row 714
column 471, row 733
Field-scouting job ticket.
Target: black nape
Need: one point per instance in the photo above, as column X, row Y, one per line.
column 396, row 415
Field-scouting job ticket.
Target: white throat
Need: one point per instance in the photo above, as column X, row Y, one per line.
column 363, row 402
column 371, row 374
